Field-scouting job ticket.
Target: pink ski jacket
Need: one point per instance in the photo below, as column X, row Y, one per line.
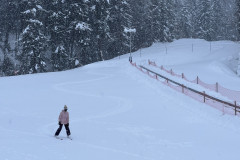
column 64, row 117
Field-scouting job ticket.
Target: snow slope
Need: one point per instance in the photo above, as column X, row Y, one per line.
column 116, row 112
column 195, row 57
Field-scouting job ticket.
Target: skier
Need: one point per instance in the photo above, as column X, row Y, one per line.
column 63, row 120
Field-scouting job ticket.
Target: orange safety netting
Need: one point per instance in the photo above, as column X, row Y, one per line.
column 234, row 95
column 224, row 108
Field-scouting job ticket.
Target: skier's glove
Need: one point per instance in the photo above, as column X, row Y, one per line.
column 59, row 123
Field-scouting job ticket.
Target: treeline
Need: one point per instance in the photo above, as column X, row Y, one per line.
column 54, row 35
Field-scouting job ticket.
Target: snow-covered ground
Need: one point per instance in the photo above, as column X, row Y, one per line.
column 118, row 113
column 212, row 62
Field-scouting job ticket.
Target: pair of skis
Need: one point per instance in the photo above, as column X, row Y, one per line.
column 68, row 137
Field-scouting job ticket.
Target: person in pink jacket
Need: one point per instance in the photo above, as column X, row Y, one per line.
column 63, row 120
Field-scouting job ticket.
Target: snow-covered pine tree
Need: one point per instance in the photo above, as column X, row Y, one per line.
column 100, row 29
column 155, row 14
column 8, row 18
column 230, row 20
column 192, row 8
column 177, row 23
column 33, row 40
column 80, row 31
column 238, row 65
column 7, row 67
column 185, row 18
column 217, row 22
column 120, row 18
column 204, row 20
column 237, row 14
column 59, row 58
column 146, row 30
column 167, row 20
column 93, row 50
column 140, row 21
column 58, row 34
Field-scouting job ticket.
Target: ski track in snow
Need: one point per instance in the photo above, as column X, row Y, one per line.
column 122, row 106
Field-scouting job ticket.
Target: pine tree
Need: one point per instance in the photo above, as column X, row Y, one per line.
column 155, row 14
column 33, row 40
column 216, row 21
column 8, row 19
column 59, row 58
column 58, row 34
column 100, row 29
column 183, row 26
column 204, row 20
column 120, row 18
column 141, row 22
column 192, row 7
column 8, row 16
column 147, row 26
column 80, row 31
column 238, row 65
column 7, row 67
column 70, row 34
column 169, row 21
column 238, row 16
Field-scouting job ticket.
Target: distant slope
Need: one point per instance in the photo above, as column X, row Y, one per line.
column 212, row 62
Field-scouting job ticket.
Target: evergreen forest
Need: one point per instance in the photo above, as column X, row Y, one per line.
column 54, row 35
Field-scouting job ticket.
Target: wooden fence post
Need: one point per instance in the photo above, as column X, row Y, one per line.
column 217, row 87
column 149, row 62
column 156, row 77
column 171, row 72
column 235, row 103
column 197, row 79
column 161, row 67
column 182, row 76
column 182, row 88
column 204, row 97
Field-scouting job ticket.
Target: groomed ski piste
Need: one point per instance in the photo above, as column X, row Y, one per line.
column 119, row 113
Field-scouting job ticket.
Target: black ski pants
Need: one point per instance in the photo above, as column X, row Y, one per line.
column 60, row 128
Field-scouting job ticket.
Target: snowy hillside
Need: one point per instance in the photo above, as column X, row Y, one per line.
column 119, row 113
